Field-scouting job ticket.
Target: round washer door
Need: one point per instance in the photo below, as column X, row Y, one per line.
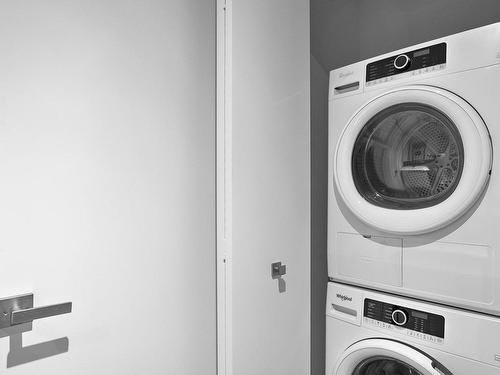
column 413, row 160
column 386, row 357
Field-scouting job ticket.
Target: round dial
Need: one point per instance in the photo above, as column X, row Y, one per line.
column 401, row 62
column 399, row 317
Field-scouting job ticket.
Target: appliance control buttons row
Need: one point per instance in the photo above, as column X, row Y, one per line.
column 424, row 336
column 428, row 69
column 415, row 72
column 379, row 323
column 408, row 332
column 382, row 80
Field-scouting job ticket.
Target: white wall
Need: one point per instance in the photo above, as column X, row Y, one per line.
column 107, row 165
column 270, row 187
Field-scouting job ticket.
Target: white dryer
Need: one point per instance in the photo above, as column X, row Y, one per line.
column 372, row 333
column 414, row 202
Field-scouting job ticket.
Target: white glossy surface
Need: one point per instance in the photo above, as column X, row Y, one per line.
column 469, row 347
column 474, row 77
column 376, row 260
column 458, row 271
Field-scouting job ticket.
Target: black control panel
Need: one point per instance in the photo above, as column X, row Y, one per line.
column 415, row 320
column 407, row 62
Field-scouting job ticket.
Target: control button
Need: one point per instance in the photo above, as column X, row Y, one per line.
column 399, row 317
column 401, row 62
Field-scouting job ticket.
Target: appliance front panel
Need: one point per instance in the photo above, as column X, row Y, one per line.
column 431, row 327
column 470, row 241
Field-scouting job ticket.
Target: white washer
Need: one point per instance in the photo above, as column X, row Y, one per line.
column 414, row 207
column 373, row 333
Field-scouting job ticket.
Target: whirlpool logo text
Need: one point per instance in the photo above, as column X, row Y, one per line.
column 344, row 297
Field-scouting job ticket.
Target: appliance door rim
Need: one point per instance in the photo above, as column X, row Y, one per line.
column 476, row 171
column 365, row 349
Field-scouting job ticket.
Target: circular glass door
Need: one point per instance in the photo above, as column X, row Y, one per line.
column 384, row 366
column 412, row 160
column 407, row 156
column 386, row 357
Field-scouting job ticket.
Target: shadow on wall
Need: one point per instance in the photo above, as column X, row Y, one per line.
column 278, row 270
column 19, row 355
column 319, row 197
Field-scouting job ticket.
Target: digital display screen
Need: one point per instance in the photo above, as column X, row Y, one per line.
column 422, row 52
column 418, row 314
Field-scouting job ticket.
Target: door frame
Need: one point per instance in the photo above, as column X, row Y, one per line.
column 224, row 187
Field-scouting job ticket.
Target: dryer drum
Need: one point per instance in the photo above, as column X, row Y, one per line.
column 407, row 156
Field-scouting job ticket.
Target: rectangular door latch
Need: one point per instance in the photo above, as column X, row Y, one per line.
column 277, row 270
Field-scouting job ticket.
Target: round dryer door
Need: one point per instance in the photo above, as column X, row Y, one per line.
column 413, row 160
column 386, row 357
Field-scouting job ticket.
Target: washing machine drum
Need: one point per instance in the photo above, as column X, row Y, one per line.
column 413, row 160
column 387, row 357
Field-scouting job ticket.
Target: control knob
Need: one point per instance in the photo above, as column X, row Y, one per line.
column 399, row 317
column 402, row 62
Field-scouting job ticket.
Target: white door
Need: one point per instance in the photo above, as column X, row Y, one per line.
column 388, row 357
column 263, row 187
column 413, row 160
column 107, row 175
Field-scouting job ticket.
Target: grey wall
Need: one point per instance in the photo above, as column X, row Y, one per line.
column 346, row 31
column 343, row 32
column 319, row 176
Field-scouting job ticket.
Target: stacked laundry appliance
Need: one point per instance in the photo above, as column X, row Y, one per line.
column 414, row 210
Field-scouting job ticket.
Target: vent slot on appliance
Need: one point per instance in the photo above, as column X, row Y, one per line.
column 346, row 88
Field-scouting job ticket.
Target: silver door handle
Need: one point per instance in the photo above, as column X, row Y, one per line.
column 28, row 315
column 19, row 310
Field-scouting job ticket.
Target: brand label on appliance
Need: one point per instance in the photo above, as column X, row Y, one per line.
column 345, row 74
column 343, row 297
column 345, row 303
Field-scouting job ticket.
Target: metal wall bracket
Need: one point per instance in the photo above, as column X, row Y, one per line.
column 19, row 310
column 277, row 270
